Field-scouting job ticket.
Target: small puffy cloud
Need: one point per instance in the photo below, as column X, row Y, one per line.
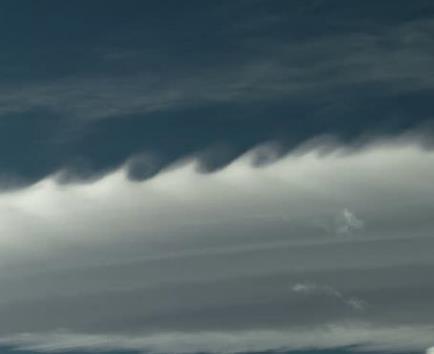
column 311, row 288
column 347, row 223
column 304, row 288
column 315, row 289
column 356, row 303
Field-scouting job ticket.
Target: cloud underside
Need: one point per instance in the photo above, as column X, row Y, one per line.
column 313, row 251
column 359, row 336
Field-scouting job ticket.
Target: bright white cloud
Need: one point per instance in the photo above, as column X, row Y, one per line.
column 202, row 262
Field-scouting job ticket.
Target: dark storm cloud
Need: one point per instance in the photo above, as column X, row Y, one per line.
column 88, row 86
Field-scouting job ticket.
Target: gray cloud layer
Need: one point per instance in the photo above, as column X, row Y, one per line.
column 187, row 262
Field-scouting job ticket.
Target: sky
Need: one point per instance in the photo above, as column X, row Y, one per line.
column 216, row 177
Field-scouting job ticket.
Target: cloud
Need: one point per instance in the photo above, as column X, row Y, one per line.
column 315, row 289
column 362, row 336
column 183, row 260
column 356, row 303
column 320, row 69
column 343, row 223
column 316, row 120
column 347, row 223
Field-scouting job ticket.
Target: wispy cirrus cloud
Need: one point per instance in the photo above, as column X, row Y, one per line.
column 321, row 68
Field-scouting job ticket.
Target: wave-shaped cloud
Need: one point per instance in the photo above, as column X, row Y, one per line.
column 187, row 260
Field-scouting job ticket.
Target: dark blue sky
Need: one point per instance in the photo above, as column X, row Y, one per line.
column 87, row 85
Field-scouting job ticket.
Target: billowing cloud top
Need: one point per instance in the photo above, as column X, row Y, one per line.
column 243, row 259
column 314, row 229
